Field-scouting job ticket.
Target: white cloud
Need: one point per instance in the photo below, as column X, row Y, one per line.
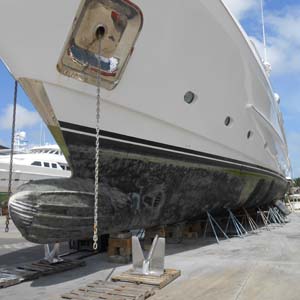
column 286, row 23
column 283, row 34
column 283, row 40
column 24, row 117
column 240, row 8
column 274, row 54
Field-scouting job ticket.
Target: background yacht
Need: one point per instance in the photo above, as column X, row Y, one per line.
column 37, row 163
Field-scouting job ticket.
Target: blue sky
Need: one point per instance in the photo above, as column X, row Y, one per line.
column 283, row 40
column 27, row 117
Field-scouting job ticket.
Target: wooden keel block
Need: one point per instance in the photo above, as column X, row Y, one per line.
column 119, row 250
column 119, row 247
column 150, row 234
column 192, row 230
column 174, row 233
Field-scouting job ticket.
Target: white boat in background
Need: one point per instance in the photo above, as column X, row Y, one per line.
column 294, row 197
column 189, row 121
column 295, row 201
column 38, row 163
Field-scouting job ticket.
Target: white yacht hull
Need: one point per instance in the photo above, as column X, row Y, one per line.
column 295, row 201
column 152, row 141
column 23, row 175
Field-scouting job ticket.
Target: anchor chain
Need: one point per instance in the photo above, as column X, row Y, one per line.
column 7, row 223
column 11, row 152
column 97, row 155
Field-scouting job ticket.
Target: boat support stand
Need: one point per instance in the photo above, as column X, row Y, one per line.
column 213, row 223
column 264, row 218
column 52, row 256
column 239, row 228
column 154, row 263
column 251, row 222
column 275, row 216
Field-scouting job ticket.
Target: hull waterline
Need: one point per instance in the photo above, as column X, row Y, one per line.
column 139, row 191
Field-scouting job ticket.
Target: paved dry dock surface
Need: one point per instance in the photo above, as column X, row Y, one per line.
column 264, row 266
column 12, row 243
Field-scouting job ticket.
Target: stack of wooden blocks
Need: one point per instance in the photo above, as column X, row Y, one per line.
column 120, row 248
column 150, row 235
column 174, row 233
column 192, row 230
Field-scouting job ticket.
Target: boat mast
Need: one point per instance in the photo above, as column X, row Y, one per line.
column 267, row 65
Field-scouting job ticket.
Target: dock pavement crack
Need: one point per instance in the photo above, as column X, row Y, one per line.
column 245, row 282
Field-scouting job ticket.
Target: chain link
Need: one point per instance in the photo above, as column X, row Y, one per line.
column 11, row 152
column 97, row 155
column 7, row 222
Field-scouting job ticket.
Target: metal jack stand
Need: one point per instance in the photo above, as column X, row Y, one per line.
column 264, row 218
column 239, row 228
column 252, row 224
column 274, row 217
column 154, row 263
column 212, row 221
column 280, row 217
column 52, row 256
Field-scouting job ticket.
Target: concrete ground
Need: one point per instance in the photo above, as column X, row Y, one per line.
column 260, row 266
column 13, row 248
